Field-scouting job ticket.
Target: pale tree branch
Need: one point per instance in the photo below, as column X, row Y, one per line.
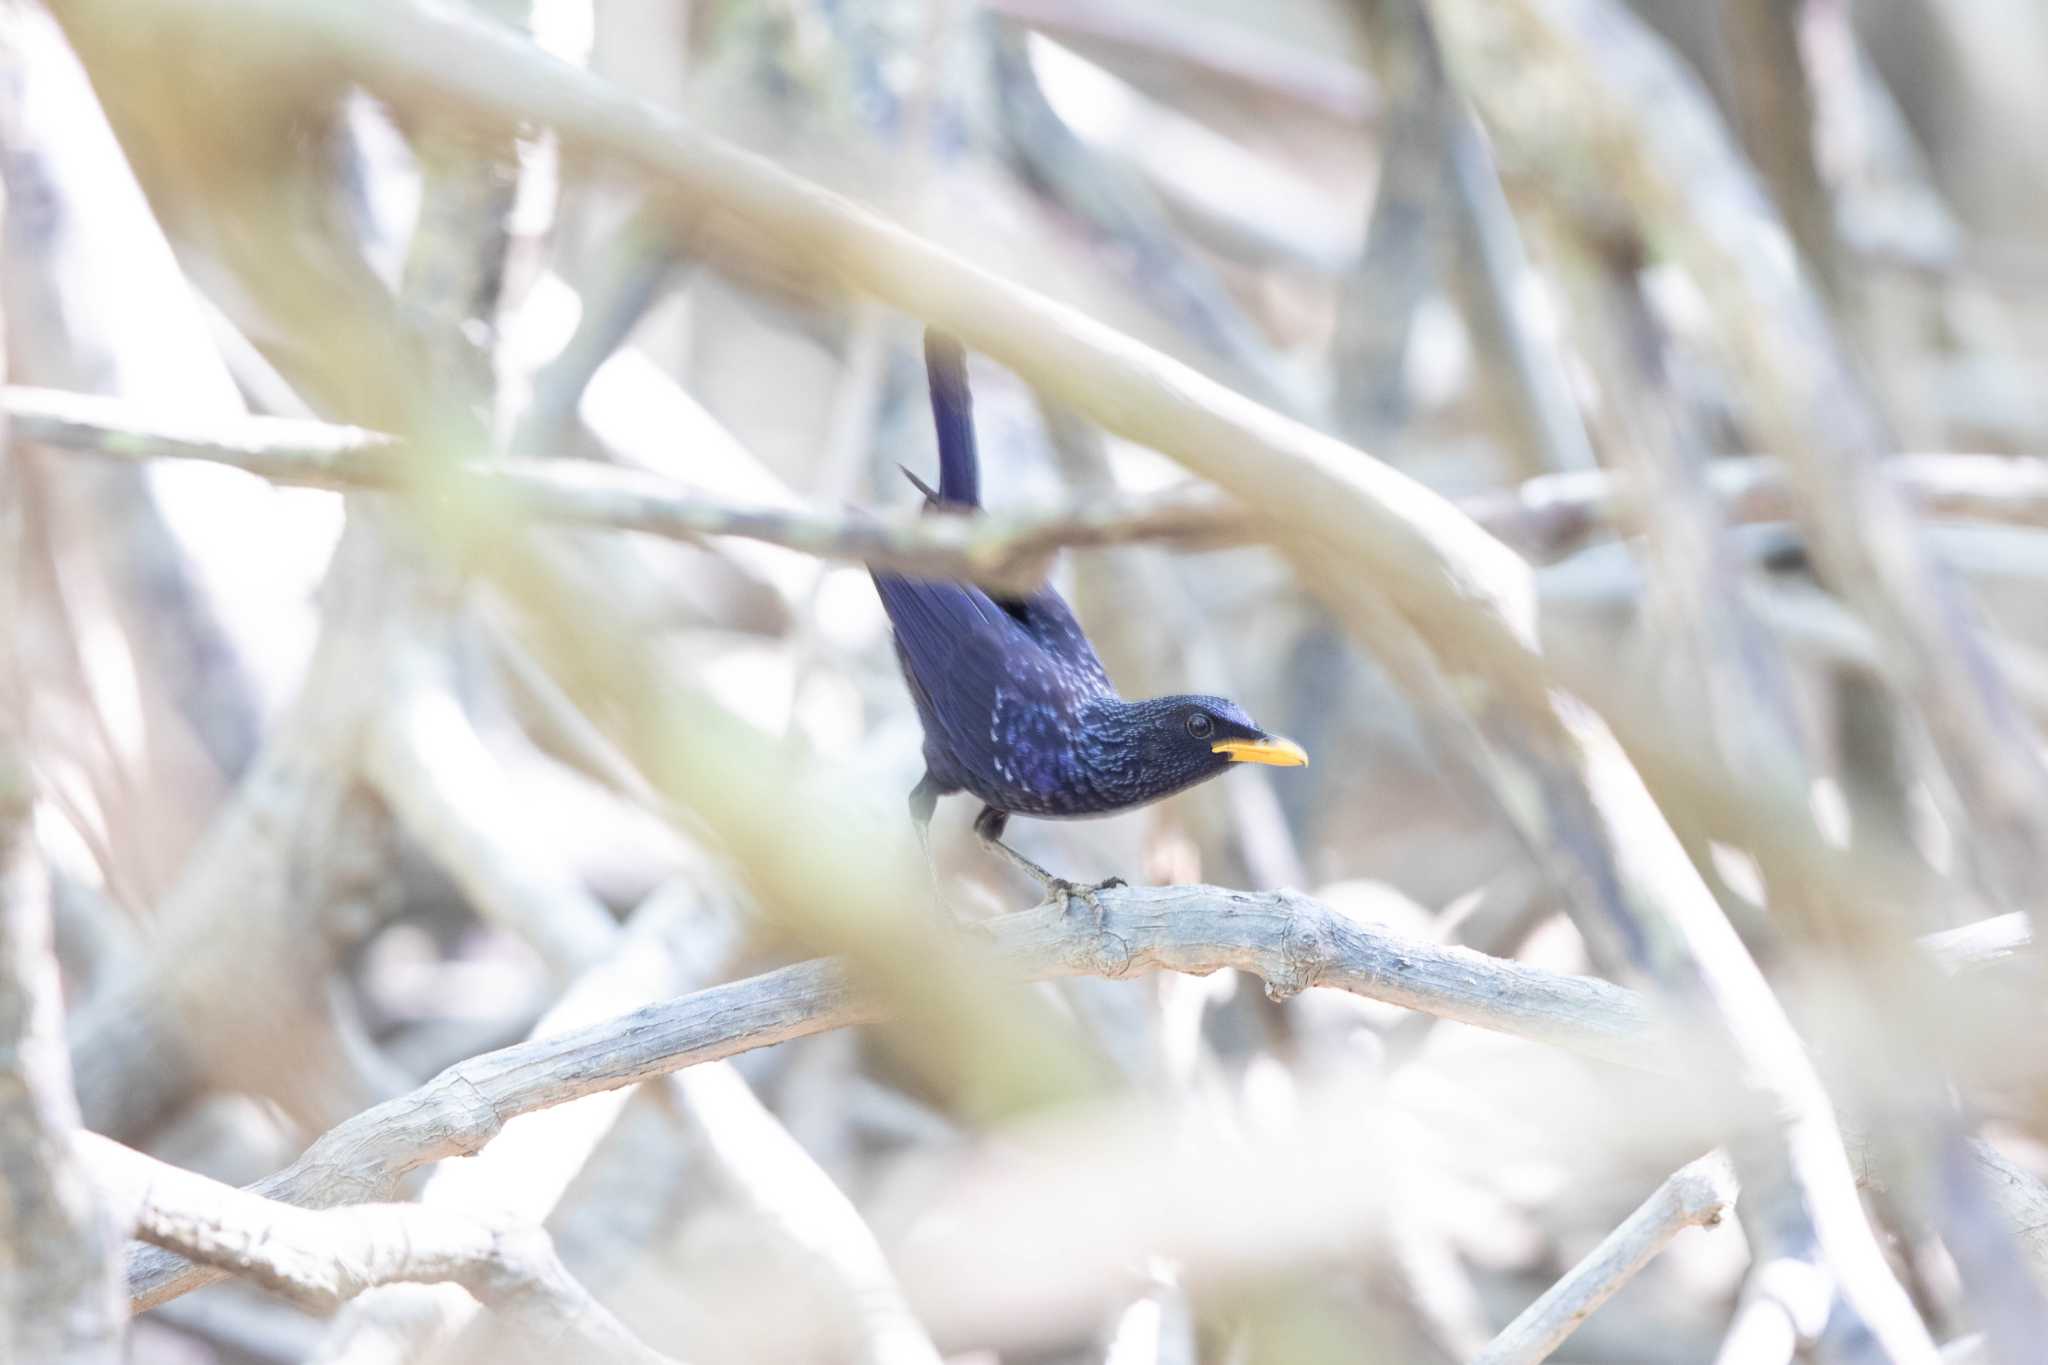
column 1651, row 172
column 291, row 870
column 675, row 940
column 83, row 259
column 1625, row 140
column 1006, row 551
column 59, row 1272
column 1545, row 517
column 1695, row 1195
column 641, row 261
column 1746, row 713
column 263, row 903
column 1353, row 520
column 59, row 1276
column 323, row 1258
column 1290, row 941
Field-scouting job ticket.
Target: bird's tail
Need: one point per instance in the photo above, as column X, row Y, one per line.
column 945, row 366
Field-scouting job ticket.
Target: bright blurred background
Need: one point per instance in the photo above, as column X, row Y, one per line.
column 1731, row 319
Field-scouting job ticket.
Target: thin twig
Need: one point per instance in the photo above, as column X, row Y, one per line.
column 1695, row 1195
column 1006, row 551
column 1545, row 517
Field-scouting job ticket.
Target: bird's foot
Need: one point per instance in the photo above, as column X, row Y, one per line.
column 1064, row 893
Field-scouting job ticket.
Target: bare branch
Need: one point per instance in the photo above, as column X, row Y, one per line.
column 323, row 1258
column 676, row 940
column 1008, row 551
column 59, row 1298
column 1624, row 134
column 1546, row 517
column 1696, row 1195
column 83, row 259
column 1287, row 939
column 59, row 1286
column 290, row 871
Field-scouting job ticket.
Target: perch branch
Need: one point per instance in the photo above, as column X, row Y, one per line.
column 1695, row 1195
column 323, row 1258
column 1289, row 940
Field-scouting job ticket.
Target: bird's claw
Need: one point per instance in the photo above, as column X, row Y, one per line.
column 1064, row 893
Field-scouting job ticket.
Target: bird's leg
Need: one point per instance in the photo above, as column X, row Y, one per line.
column 989, row 827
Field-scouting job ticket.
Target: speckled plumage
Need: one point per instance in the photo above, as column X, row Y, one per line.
column 1016, row 707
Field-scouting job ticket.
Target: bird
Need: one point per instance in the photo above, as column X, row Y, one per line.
column 1017, row 710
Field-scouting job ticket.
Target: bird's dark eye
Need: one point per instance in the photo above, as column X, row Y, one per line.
column 1199, row 725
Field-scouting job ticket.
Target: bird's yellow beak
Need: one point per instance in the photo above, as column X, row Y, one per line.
column 1271, row 750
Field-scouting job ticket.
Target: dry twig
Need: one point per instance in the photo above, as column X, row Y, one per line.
column 1545, row 517
column 1696, row 1195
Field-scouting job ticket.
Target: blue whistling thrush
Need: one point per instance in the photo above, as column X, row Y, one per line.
column 1017, row 710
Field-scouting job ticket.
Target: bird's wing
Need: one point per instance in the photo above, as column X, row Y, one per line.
column 981, row 674
column 1044, row 617
column 995, row 680
column 1048, row 620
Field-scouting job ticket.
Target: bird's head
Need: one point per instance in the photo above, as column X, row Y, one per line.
column 1179, row 741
